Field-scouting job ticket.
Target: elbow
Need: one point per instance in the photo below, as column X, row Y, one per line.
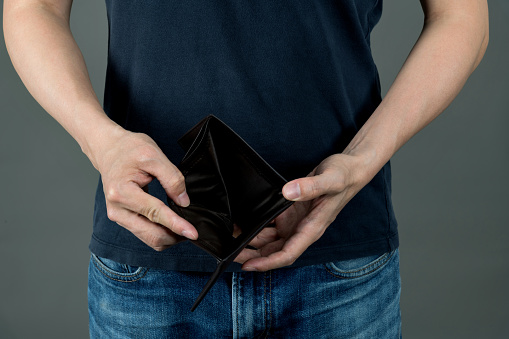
column 471, row 19
column 481, row 21
column 484, row 33
column 486, row 37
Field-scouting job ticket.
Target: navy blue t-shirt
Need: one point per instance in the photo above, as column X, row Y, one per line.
column 295, row 79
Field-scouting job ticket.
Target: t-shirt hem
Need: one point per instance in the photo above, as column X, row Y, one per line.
column 206, row 263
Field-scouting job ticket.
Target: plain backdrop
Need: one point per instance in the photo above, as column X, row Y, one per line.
column 450, row 193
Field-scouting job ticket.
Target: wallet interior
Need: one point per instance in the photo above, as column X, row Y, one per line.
column 228, row 183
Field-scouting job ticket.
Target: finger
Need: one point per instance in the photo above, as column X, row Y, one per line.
column 287, row 255
column 266, row 236
column 246, row 254
column 272, row 247
column 308, row 188
column 236, row 230
column 285, row 251
column 152, row 234
column 156, row 211
column 170, row 178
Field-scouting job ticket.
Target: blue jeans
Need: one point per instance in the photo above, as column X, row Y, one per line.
column 347, row 299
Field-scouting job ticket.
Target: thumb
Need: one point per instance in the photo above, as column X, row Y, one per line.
column 172, row 180
column 307, row 188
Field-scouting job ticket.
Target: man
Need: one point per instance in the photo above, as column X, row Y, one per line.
column 296, row 80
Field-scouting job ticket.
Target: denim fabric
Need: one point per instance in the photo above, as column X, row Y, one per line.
column 356, row 298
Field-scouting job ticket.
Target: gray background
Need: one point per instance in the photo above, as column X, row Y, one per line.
column 450, row 195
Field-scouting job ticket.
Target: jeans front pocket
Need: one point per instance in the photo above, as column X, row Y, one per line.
column 359, row 267
column 118, row 271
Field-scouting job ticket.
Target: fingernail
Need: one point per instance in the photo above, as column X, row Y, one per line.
column 292, row 191
column 250, row 269
column 183, row 199
column 189, row 235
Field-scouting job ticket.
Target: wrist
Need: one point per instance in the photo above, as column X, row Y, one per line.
column 369, row 159
column 95, row 132
column 100, row 141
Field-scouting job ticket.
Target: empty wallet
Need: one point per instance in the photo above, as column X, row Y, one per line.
column 228, row 183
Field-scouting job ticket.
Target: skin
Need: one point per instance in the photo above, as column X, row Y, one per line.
column 50, row 64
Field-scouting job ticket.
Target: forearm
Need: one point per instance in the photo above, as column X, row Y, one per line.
column 50, row 64
column 449, row 49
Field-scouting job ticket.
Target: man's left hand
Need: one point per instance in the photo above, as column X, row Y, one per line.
column 319, row 197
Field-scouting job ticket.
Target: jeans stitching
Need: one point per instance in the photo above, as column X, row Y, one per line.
column 104, row 269
column 100, row 269
column 382, row 257
column 237, row 294
column 386, row 256
column 265, row 298
column 270, row 303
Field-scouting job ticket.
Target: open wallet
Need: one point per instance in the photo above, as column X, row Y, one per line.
column 228, row 183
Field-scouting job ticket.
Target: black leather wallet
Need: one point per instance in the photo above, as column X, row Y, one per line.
column 227, row 182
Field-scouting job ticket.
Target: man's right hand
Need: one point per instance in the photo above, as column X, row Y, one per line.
column 45, row 55
column 127, row 162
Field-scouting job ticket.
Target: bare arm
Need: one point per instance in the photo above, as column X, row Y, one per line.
column 451, row 45
column 50, row 64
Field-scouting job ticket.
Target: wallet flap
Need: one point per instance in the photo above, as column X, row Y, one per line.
column 187, row 139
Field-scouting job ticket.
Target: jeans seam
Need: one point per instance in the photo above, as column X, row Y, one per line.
column 238, row 301
column 128, row 279
column 270, row 303
column 385, row 256
column 265, row 304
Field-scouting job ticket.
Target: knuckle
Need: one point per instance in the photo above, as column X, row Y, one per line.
column 153, row 213
column 329, row 221
column 177, row 182
column 157, row 242
column 317, row 235
column 290, row 260
column 309, row 219
column 112, row 214
column 113, row 194
column 339, row 184
column 147, row 153
column 315, row 188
